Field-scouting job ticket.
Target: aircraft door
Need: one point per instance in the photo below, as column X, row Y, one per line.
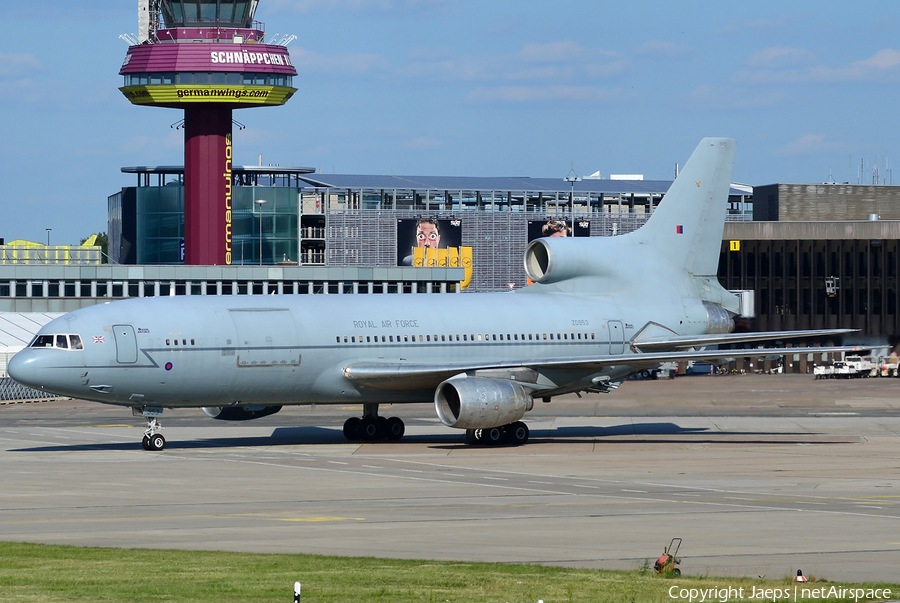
column 126, row 344
column 616, row 337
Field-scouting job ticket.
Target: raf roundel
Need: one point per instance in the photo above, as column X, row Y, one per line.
column 168, row 366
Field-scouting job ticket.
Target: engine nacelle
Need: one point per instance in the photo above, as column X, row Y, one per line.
column 718, row 321
column 477, row 403
column 239, row 413
column 552, row 259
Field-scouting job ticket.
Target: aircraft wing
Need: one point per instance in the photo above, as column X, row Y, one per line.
column 412, row 376
column 694, row 341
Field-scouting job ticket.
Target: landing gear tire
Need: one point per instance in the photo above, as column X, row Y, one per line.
column 492, row 436
column 517, row 433
column 368, row 429
column 351, row 428
column 153, row 440
column 395, row 428
column 371, row 427
column 514, row 434
column 156, row 442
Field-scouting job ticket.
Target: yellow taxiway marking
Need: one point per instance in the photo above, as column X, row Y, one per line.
column 319, row 518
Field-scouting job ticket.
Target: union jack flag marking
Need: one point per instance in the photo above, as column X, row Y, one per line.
column 99, row 339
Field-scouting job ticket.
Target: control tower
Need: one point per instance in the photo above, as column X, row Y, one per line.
column 210, row 58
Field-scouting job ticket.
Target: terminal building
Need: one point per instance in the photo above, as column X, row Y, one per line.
column 820, row 256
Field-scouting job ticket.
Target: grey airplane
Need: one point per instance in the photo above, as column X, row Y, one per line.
column 600, row 309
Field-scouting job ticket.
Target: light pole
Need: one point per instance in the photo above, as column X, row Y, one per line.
column 260, row 203
column 48, row 236
column 572, row 178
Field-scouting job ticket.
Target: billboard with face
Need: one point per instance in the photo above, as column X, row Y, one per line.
column 426, row 234
column 557, row 228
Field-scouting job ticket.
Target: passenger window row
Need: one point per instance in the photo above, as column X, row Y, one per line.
column 465, row 337
column 62, row 342
column 175, row 342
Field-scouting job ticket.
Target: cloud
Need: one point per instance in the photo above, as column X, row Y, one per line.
column 349, row 64
column 551, row 62
column 12, row 65
column 881, row 66
column 553, row 52
column 809, row 144
column 883, row 63
column 140, row 144
column 734, row 98
column 522, row 94
column 779, row 56
column 569, row 59
column 369, row 6
column 561, row 70
column 422, row 144
column 658, row 49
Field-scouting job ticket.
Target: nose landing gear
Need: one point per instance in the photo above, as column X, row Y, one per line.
column 153, row 440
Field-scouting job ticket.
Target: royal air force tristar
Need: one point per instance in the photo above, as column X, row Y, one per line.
column 600, row 309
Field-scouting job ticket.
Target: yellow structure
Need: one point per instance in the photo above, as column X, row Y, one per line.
column 28, row 252
column 453, row 257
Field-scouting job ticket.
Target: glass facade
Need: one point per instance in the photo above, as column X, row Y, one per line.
column 160, row 224
column 277, row 218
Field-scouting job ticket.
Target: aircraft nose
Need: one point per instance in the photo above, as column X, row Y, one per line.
column 24, row 369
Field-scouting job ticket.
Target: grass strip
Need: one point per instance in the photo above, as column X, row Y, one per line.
column 50, row 573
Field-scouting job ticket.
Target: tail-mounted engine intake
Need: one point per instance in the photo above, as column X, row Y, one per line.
column 550, row 260
column 476, row 403
column 239, row 413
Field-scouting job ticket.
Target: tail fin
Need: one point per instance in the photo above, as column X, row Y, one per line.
column 688, row 224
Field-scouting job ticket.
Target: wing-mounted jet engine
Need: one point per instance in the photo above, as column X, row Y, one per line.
column 488, row 409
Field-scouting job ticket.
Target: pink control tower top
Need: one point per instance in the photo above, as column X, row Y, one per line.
column 209, row 59
column 231, row 64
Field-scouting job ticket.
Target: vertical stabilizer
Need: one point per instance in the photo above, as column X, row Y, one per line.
column 687, row 226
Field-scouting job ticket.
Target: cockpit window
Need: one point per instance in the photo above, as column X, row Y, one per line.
column 43, row 341
column 62, row 342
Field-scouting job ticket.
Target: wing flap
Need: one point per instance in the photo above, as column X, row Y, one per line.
column 694, row 341
column 404, row 376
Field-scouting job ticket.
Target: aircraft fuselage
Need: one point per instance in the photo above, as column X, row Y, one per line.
column 283, row 349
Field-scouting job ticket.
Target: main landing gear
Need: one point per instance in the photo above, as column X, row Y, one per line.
column 153, row 440
column 370, row 427
column 514, row 434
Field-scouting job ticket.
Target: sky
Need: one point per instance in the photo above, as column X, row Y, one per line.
column 463, row 88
